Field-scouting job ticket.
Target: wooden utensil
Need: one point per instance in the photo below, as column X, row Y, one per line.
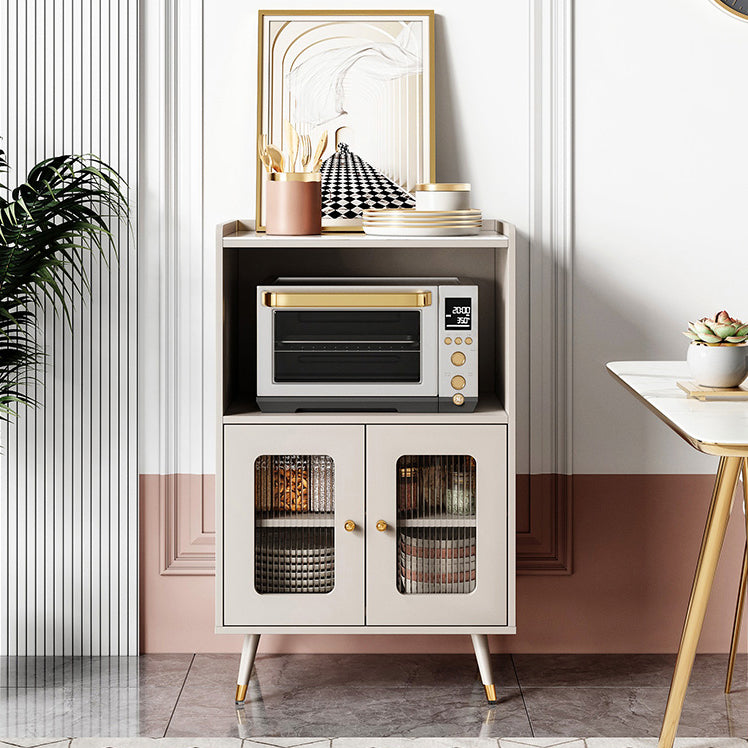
column 306, row 151
column 263, row 153
column 276, row 157
column 318, row 151
column 292, row 141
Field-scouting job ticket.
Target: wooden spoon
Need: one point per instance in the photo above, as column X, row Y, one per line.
column 276, row 157
column 263, row 153
column 318, row 151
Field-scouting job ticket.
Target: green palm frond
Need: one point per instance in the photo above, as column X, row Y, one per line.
column 62, row 211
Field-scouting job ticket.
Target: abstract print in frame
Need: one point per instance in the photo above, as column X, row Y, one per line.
column 366, row 78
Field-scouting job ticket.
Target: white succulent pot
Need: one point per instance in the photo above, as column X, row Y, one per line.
column 718, row 365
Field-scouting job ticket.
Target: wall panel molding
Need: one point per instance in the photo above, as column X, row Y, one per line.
column 68, row 470
column 177, row 310
column 544, row 538
column 173, row 314
column 187, row 533
column 549, row 497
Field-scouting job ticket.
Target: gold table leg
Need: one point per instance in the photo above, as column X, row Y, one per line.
column 711, row 546
column 737, row 620
column 740, row 604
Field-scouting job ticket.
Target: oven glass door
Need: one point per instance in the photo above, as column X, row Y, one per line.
column 347, row 346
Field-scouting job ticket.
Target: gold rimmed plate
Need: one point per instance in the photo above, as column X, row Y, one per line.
column 412, row 213
column 421, row 224
column 411, row 219
column 424, row 222
column 377, row 230
column 398, row 227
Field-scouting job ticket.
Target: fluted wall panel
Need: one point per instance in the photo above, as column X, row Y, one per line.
column 68, row 508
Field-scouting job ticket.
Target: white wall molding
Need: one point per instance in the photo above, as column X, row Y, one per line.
column 173, row 311
column 551, row 239
column 545, row 547
column 176, row 342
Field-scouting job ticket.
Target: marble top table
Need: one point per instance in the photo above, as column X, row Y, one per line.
column 717, row 428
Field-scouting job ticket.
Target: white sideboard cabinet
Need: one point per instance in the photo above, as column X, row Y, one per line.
column 370, row 522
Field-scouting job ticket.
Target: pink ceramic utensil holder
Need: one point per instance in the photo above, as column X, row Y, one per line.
column 294, row 204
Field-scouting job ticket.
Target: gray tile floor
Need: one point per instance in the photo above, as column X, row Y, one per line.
column 367, row 696
column 368, row 743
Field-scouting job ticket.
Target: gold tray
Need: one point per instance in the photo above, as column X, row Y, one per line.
column 699, row 392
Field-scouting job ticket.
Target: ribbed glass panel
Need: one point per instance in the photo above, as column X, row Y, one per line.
column 294, row 524
column 436, row 515
column 68, row 482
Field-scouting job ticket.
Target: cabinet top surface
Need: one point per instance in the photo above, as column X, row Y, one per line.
column 238, row 234
column 714, row 427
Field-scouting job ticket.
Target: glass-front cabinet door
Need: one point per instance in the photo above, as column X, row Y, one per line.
column 437, row 525
column 293, row 525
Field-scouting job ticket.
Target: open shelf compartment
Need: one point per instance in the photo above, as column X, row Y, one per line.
column 248, row 260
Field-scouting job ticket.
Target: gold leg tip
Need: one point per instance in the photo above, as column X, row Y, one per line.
column 241, row 693
column 490, row 693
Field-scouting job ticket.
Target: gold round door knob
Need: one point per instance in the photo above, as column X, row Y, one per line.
column 458, row 382
column 381, row 525
column 349, row 525
column 457, row 358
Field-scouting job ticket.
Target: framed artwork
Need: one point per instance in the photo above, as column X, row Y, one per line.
column 362, row 80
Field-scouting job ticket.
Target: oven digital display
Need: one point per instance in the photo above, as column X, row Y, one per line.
column 458, row 313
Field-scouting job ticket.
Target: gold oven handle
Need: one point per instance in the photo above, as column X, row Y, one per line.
column 294, row 299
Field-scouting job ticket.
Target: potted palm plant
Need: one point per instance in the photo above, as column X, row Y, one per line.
column 718, row 354
column 62, row 210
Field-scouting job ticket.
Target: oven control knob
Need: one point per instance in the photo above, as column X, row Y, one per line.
column 458, row 341
column 468, row 341
column 457, row 358
column 458, row 382
column 458, row 398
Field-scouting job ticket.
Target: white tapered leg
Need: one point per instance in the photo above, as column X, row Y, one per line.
column 483, row 655
column 249, row 650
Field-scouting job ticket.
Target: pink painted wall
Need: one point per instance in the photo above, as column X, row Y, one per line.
column 636, row 538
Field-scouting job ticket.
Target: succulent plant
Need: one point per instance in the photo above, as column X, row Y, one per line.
column 722, row 329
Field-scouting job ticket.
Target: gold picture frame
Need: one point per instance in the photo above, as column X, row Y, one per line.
column 390, row 54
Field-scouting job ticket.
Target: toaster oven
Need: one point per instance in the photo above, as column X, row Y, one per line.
column 367, row 344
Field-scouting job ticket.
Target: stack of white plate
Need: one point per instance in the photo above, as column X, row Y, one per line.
column 290, row 560
column 409, row 222
column 291, row 570
column 436, row 560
